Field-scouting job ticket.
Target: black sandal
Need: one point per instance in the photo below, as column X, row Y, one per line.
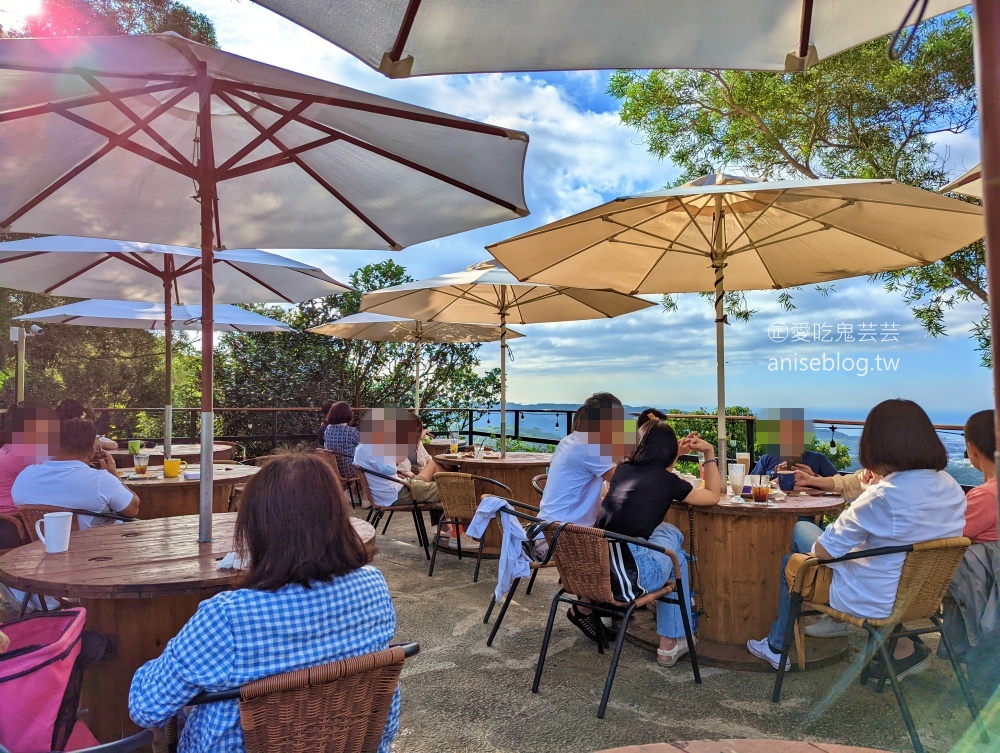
column 583, row 621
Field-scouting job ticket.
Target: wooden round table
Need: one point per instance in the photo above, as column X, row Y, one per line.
column 189, row 452
column 516, row 470
column 739, row 547
column 441, row 446
column 139, row 582
column 161, row 497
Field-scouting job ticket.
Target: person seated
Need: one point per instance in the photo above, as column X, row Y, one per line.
column 324, row 412
column 341, row 438
column 386, row 438
column 70, row 408
column 67, row 480
column 308, row 597
column 642, row 490
column 647, row 415
column 583, row 461
column 913, row 500
column 811, row 461
column 34, row 438
column 418, row 456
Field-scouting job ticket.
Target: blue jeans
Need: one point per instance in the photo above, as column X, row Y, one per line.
column 804, row 535
column 655, row 569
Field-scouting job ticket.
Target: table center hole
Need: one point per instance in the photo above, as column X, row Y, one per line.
column 99, row 559
column 130, row 535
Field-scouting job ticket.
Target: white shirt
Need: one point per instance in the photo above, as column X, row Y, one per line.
column 573, row 487
column 422, row 456
column 383, row 490
column 903, row 508
column 71, row 483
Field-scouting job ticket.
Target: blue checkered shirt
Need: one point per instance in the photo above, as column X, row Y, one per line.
column 239, row 636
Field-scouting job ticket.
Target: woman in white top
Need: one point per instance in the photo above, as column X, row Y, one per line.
column 913, row 500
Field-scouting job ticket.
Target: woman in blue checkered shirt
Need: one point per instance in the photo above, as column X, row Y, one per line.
column 307, row 598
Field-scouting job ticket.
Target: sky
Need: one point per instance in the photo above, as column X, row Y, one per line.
column 580, row 156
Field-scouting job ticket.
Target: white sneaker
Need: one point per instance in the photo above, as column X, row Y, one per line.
column 762, row 650
column 827, row 627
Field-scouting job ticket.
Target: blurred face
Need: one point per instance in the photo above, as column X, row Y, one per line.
column 36, row 439
column 616, row 436
column 392, row 432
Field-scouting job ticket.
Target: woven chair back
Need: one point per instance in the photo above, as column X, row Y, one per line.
column 31, row 514
column 12, row 533
column 538, row 483
column 334, row 708
column 366, row 491
column 927, row 573
column 331, row 460
column 582, row 559
column 458, row 495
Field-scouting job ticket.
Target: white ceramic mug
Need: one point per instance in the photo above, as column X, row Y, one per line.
column 57, row 528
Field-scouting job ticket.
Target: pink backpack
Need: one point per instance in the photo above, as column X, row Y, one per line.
column 40, row 679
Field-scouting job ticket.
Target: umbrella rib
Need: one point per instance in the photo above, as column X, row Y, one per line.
column 383, row 153
column 694, row 222
column 113, row 142
column 863, row 237
column 736, row 218
column 421, row 117
column 403, row 33
column 670, row 242
column 131, row 115
column 275, row 160
column 21, row 257
column 311, row 173
column 261, row 137
column 137, row 261
column 83, row 101
column 106, row 257
column 673, row 242
column 257, row 280
column 744, row 229
column 768, row 239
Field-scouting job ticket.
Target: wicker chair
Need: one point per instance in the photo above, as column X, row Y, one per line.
column 136, row 742
column 376, row 511
column 12, row 533
column 583, row 559
column 927, row 573
column 533, row 526
column 349, row 485
column 538, row 483
column 458, row 503
column 332, row 708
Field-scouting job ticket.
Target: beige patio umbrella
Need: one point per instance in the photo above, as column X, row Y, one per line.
column 488, row 293
column 422, row 37
column 968, row 184
column 722, row 232
column 159, row 139
column 395, row 329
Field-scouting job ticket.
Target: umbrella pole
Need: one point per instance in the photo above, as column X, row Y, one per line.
column 416, row 377
column 168, row 336
column 503, row 382
column 987, row 26
column 206, row 199
column 719, row 265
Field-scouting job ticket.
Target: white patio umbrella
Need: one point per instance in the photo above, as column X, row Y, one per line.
column 137, row 315
column 159, row 138
column 722, row 232
column 969, row 183
column 422, row 37
column 488, row 293
column 89, row 267
column 382, row 328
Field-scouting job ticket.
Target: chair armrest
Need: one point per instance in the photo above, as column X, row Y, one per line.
column 878, row 552
column 395, row 480
column 491, row 481
column 512, row 502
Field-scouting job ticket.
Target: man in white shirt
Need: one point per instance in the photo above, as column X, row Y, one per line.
column 67, row 480
column 386, row 439
column 583, row 461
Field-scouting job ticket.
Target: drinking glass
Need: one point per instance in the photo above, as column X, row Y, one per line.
column 737, row 475
column 453, row 442
column 141, row 463
column 743, row 458
column 760, row 488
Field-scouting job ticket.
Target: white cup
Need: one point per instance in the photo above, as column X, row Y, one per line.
column 57, row 526
column 737, row 476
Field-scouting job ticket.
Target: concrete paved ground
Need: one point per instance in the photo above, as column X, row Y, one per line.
column 460, row 696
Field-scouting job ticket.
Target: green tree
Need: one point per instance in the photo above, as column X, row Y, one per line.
column 856, row 115
column 99, row 18
column 301, row 369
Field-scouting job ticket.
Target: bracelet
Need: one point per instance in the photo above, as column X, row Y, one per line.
column 711, row 460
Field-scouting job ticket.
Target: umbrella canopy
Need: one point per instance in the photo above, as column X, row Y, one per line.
column 98, row 268
column 159, row 138
column 969, row 184
column 488, row 293
column 382, row 328
column 134, row 315
column 421, row 37
column 722, row 232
